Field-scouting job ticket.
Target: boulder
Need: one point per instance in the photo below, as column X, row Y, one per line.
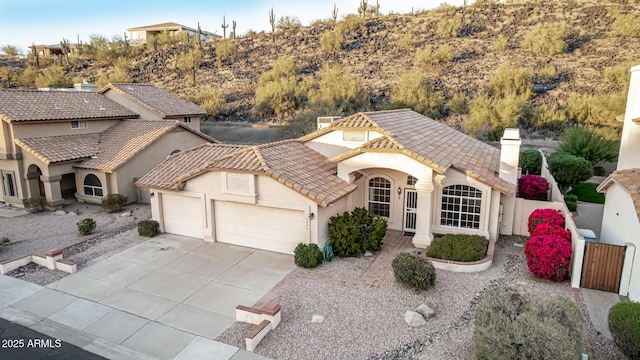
column 414, row 319
column 368, row 254
column 317, row 319
column 72, row 213
column 59, row 212
column 425, row 311
column 125, row 214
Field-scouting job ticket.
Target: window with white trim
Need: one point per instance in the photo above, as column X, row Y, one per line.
column 9, row 184
column 411, row 180
column 461, row 207
column 380, row 196
column 187, row 119
column 78, row 124
column 92, row 186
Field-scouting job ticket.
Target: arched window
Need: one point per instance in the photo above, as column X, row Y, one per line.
column 92, row 185
column 380, row 196
column 175, row 151
column 461, row 207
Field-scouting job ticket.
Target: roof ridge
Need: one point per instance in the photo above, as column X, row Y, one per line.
column 260, row 157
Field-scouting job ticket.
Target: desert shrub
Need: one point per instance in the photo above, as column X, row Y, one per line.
column 148, row 228
column 625, row 25
column 549, row 117
column 619, row 74
column 501, row 44
column 226, row 48
column 414, row 271
column 120, row 74
column 547, row 74
column 579, row 141
column 108, row 51
column 338, row 91
column 548, row 256
column 415, row 90
column 167, row 39
column 459, row 247
column 354, row 233
column 519, row 323
column 35, row 204
column 530, row 161
column 624, row 323
column 288, row 23
column 5, row 241
column 86, row 226
column 489, row 116
column 533, row 187
column 546, row 39
column 510, row 82
column 568, row 169
column 113, row 202
column 599, row 170
column 407, row 41
column 430, row 56
column 350, row 23
column 278, row 91
column 545, row 216
column 458, row 104
column 10, row 50
column 555, row 230
column 212, row 100
column 332, row 41
column 307, row 255
column 28, row 76
column 571, row 201
column 53, row 77
column 303, row 123
column 599, row 109
column 449, row 27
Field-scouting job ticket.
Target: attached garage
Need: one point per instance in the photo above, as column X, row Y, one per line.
column 183, row 215
column 260, row 227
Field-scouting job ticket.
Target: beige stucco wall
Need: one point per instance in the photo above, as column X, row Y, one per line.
column 324, row 214
column 59, row 128
column 105, row 181
column 336, row 138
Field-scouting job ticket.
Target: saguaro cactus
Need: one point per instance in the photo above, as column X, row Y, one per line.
column 362, row 9
column 224, row 27
column 233, row 27
column 272, row 21
column 199, row 34
column 334, row 14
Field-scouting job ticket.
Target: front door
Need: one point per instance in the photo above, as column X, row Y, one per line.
column 410, row 208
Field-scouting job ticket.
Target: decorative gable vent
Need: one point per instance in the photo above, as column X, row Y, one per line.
column 324, row 121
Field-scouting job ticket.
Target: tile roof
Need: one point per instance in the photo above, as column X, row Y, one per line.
column 425, row 140
column 628, row 179
column 104, row 151
column 289, row 162
column 36, row 105
column 156, row 99
column 161, row 26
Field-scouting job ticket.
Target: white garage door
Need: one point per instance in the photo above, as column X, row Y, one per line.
column 183, row 215
column 260, row 227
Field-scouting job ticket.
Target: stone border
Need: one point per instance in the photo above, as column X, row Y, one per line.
column 468, row 267
column 52, row 259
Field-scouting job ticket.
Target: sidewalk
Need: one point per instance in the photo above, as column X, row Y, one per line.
column 103, row 330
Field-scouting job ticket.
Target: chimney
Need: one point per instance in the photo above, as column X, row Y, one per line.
column 629, row 156
column 510, row 155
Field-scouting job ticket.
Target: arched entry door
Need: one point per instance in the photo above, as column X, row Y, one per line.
column 36, row 186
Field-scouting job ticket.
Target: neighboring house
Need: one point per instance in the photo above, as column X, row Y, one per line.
column 144, row 34
column 422, row 176
column 621, row 217
column 64, row 143
column 54, row 50
column 151, row 102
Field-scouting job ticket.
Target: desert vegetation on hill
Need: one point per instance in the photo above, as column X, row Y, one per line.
column 540, row 65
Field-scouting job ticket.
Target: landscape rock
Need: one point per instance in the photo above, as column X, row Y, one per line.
column 125, row 214
column 317, row 319
column 368, row 254
column 72, row 213
column 414, row 319
column 59, row 212
column 425, row 311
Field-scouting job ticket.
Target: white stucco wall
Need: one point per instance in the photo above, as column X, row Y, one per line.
column 336, row 137
column 630, row 142
column 619, row 219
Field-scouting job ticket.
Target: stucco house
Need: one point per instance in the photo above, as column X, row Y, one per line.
column 422, row 176
column 143, row 34
column 58, row 144
column 621, row 217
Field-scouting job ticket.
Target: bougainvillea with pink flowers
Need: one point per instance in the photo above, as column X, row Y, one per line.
column 548, row 229
column 548, row 256
column 545, row 216
column 533, row 187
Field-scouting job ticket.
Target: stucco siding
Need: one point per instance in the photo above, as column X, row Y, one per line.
column 30, row 130
column 144, row 112
column 336, row 137
column 619, row 218
column 324, row 214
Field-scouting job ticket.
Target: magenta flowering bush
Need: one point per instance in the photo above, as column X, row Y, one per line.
column 533, row 187
column 548, row 229
column 545, row 216
column 548, row 256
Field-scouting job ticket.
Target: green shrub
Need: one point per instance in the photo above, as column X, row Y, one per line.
column 288, row 23
column 625, row 25
column 530, row 161
column 489, row 116
column 120, row 74
column 546, row 39
column 599, row 109
column 431, row 56
column 449, row 27
column 580, row 141
column 549, row 117
column 278, row 91
column 598, row 170
column 571, row 201
column 407, row 41
column 212, row 100
column 518, row 323
column 459, row 247
column 511, row 82
column 226, row 48
column 35, row 204
column 86, row 226
column 547, row 74
column 338, row 91
column 354, row 233
column 619, row 74
column 148, row 228
column 332, row 41
column 459, row 104
column 350, row 23
column 307, row 255
column 5, row 241
column 113, row 202
column 53, row 77
column 414, row 271
column 568, row 169
column 415, row 90
column 624, row 323
column 501, row 44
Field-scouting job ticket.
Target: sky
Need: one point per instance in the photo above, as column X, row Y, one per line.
column 23, row 22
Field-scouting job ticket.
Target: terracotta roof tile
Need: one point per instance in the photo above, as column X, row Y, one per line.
column 35, row 105
column 156, row 99
column 52, row 149
column 630, row 180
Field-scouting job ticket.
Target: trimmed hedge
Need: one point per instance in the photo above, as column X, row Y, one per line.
column 530, row 161
column 307, row 255
column 414, row 271
column 458, row 247
column 86, row 226
column 149, row 228
column 624, row 323
column 548, row 256
column 354, row 233
column 113, row 202
column 571, row 201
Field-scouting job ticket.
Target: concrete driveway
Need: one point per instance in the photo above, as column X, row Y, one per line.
column 166, row 290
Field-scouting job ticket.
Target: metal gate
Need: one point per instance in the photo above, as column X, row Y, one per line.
column 410, row 210
column 602, row 266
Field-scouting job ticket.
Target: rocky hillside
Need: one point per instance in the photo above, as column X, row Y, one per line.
column 374, row 54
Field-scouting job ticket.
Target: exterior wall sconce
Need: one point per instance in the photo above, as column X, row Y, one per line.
column 311, row 216
column 399, row 190
column 152, row 194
